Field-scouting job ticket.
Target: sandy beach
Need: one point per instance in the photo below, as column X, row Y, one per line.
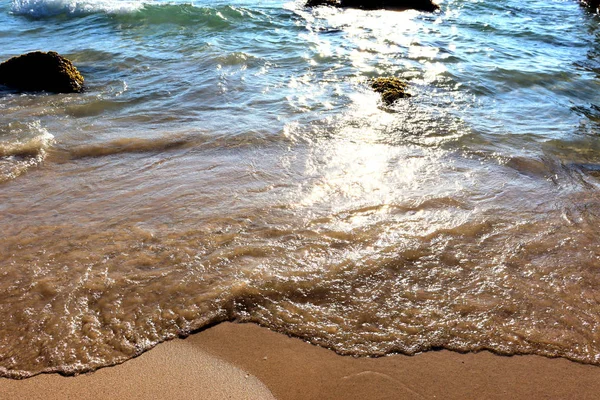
column 245, row 361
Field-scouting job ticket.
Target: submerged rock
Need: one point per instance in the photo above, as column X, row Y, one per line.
column 39, row 71
column 391, row 89
column 421, row 5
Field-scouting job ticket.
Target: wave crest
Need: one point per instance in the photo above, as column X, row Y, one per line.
column 48, row 8
column 148, row 11
column 26, row 148
column 131, row 145
column 31, row 147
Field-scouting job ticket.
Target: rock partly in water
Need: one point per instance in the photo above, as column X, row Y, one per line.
column 421, row 5
column 593, row 4
column 316, row 3
column 39, row 71
column 391, row 89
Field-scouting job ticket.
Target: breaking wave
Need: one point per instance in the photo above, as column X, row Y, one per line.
column 143, row 11
column 27, row 150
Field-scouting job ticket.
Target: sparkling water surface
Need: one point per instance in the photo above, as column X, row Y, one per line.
column 229, row 161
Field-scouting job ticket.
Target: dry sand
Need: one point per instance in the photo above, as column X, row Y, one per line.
column 245, row 361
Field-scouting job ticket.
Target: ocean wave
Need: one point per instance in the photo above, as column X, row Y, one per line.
column 49, row 8
column 146, row 11
column 131, row 145
column 26, row 148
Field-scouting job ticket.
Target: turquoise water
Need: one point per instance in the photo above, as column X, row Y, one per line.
column 228, row 161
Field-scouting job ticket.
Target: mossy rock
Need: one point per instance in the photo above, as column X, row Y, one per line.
column 420, row 5
column 391, row 89
column 39, row 71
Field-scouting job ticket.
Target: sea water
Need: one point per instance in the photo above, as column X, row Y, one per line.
column 229, row 161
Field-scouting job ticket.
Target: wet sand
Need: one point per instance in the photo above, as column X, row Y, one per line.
column 245, row 361
column 176, row 369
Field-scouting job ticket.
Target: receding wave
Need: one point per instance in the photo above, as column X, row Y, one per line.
column 458, row 286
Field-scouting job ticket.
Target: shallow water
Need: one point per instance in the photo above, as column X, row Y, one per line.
column 228, row 161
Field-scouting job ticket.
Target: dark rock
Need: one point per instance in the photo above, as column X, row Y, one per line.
column 39, row 71
column 315, row 3
column 391, row 89
column 421, row 5
column 593, row 4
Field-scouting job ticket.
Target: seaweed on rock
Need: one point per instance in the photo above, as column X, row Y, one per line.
column 391, row 89
column 39, row 71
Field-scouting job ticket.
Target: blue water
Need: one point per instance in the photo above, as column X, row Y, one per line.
column 514, row 72
column 229, row 161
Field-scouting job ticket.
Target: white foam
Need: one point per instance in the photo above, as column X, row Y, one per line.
column 30, row 146
column 45, row 8
column 17, row 156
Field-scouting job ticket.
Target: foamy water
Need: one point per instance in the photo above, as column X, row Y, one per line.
column 49, row 8
column 229, row 161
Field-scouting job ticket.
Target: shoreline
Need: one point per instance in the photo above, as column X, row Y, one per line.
column 246, row 361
